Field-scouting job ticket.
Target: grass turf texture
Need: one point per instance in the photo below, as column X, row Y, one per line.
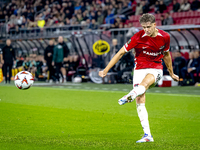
column 52, row 118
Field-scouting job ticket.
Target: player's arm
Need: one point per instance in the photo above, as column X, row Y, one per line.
column 168, row 63
column 113, row 61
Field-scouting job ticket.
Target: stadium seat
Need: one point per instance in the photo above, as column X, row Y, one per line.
column 169, row 8
column 157, row 16
column 189, row 14
column 131, row 18
column 158, row 23
column 174, row 15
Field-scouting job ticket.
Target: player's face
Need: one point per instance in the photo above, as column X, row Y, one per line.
column 149, row 28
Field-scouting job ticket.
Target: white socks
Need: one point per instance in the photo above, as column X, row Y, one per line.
column 143, row 115
column 137, row 91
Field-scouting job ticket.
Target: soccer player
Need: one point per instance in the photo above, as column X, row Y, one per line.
column 150, row 45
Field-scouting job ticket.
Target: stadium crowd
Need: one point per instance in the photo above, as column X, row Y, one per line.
column 26, row 14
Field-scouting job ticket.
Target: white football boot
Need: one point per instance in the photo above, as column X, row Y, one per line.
column 127, row 98
column 145, row 138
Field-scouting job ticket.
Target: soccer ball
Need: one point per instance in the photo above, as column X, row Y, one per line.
column 24, row 80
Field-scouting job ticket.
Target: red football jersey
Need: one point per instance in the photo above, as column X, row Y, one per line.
column 148, row 50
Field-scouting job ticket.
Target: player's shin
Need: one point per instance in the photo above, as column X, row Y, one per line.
column 143, row 116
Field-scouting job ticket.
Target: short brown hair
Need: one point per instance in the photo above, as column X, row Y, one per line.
column 147, row 18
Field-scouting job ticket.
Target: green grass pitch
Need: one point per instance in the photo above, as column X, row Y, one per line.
column 44, row 118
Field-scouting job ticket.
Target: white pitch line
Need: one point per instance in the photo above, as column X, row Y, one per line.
column 157, row 91
column 125, row 90
column 180, row 95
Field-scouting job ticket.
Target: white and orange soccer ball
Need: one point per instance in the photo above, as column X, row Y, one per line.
column 23, row 80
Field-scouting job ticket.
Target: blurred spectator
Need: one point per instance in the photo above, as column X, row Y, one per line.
column 162, row 18
column 185, row 6
column 110, row 18
column 162, row 6
column 32, row 64
column 58, row 56
column 83, row 8
column 138, row 10
column 1, row 16
column 85, row 15
column 87, row 5
column 92, row 16
column 179, row 63
column 126, row 65
column 40, row 21
column 168, row 19
column 97, row 62
column 176, row 6
column 100, row 18
column 195, row 5
column 8, row 53
column 189, row 70
column 145, row 7
column 79, row 18
column 120, row 8
column 78, row 6
column 68, row 14
column 132, row 30
column 17, row 31
column 48, row 56
column 67, row 21
column 1, row 59
column 19, row 64
column 157, row 11
column 93, row 25
column 114, row 49
column 165, row 70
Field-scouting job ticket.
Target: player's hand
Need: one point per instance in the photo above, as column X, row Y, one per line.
column 2, row 62
column 102, row 73
column 175, row 77
column 190, row 70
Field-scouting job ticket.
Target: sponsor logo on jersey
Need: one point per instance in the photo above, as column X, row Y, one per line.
column 101, row 47
column 162, row 47
column 144, row 47
column 129, row 41
column 151, row 53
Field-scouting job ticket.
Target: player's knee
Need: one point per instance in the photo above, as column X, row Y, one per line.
column 145, row 85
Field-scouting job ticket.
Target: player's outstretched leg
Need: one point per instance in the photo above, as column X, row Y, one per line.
column 132, row 95
column 143, row 116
